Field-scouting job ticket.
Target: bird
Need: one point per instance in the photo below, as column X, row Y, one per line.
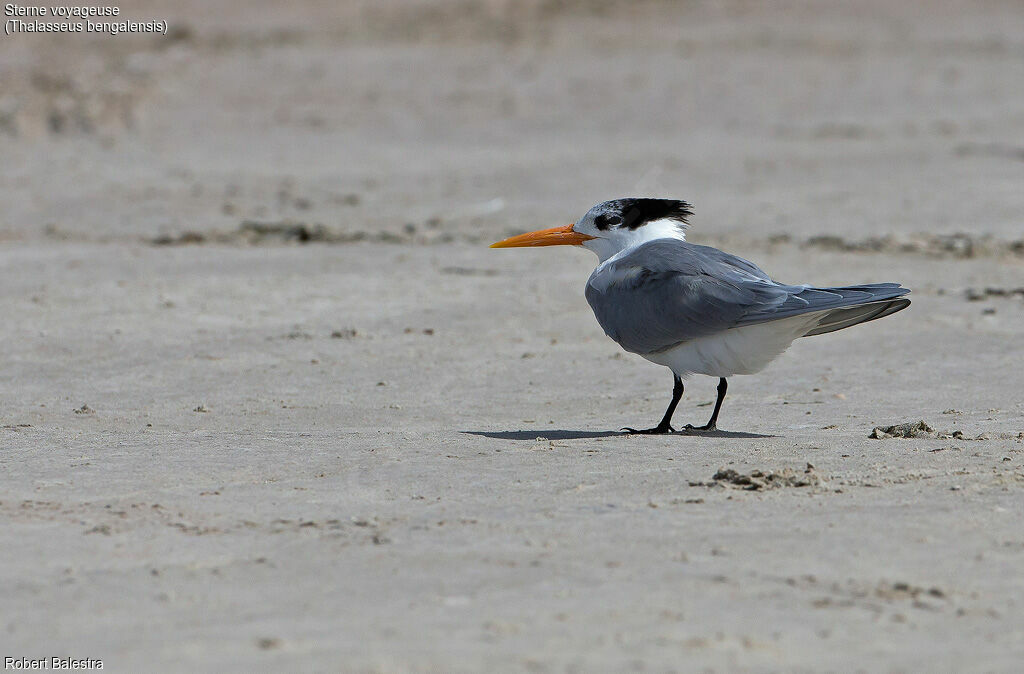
column 696, row 309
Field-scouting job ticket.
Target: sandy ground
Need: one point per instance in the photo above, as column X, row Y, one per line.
column 269, row 403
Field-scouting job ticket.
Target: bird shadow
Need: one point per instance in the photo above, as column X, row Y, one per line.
column 547, row 434
column 561, row 434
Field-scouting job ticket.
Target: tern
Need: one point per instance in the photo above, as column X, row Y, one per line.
column 696, row 309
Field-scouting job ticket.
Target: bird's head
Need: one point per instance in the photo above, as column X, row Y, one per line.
column 613, row 226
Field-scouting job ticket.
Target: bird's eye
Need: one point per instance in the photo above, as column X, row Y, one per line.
column 604, row 221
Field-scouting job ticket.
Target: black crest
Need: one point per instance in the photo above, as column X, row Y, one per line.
column 633, row 213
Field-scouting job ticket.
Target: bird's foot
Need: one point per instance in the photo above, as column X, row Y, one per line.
column 660, row 429
column 696, row 430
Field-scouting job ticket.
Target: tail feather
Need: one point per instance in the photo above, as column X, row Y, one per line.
column 816, row 299
column 836, row 308
column 837, row 319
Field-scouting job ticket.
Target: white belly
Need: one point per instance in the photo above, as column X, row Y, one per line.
column 743, row 350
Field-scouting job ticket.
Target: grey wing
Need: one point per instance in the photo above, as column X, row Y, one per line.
column 668, row 292
column 845, row 306
column 866, row 302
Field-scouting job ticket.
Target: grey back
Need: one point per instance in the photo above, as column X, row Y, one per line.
column 667, row 291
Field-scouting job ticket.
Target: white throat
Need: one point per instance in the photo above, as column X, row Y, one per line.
column 613, row 242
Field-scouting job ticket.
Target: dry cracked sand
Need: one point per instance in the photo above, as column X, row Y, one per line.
column 269, row 403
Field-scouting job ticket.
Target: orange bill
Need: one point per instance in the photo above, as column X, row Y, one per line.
column 556, row 236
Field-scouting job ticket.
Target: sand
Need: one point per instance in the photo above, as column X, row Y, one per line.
column 269, row 402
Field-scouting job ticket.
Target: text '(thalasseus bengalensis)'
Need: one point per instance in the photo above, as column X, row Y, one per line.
column 696, row 309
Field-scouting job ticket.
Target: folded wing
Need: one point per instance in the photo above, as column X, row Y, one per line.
column 667, row 292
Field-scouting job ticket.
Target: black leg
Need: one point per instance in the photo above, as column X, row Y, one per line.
column 712, row 424
column 666, row 422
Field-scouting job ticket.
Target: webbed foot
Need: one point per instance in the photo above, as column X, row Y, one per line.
column 660, row 429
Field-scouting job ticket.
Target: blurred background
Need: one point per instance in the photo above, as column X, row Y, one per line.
column 226, row 446
column 437, row 120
